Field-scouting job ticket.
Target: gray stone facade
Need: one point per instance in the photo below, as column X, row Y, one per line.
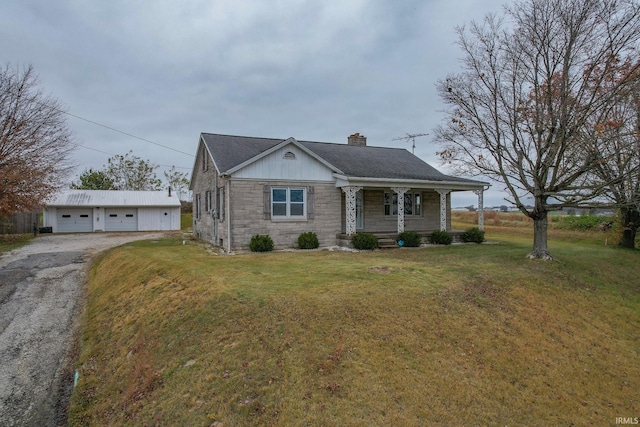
column 205, row 186
column 248, row 214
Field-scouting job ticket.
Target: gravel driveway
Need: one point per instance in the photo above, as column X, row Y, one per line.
column 41, row 285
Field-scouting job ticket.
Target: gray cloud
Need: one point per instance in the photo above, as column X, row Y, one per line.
column 167, row 70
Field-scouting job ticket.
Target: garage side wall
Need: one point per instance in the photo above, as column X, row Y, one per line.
column 49, row 219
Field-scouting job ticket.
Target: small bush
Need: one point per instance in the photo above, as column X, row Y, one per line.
column 411, row 239
column 261, row 243
column 441, row 238
column 473, row 235
column 364, row 241
column 308, row 240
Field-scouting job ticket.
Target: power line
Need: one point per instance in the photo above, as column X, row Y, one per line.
column 94, row 149
column 126, row 133
column 111, row 154
column 54, row 107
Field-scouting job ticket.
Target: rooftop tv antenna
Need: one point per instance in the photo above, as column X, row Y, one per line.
column 410, row 137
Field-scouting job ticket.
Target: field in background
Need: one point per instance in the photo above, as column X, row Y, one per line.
column 461, row 335
column 602, row 230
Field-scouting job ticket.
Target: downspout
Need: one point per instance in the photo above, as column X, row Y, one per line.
column 228, row 208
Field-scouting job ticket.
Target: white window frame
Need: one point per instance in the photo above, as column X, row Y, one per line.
column 288, row 203
column 393, row 205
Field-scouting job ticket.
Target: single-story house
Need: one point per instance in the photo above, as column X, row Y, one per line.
column 112, row 210
column 243, row 186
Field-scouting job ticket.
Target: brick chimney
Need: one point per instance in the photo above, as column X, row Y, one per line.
column 358, row 140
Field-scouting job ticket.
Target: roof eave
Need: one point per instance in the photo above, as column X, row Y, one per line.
column 193, row 169
column 343, row 180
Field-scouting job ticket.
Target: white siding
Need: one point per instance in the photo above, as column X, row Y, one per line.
column 153, row 219
column 280, row 166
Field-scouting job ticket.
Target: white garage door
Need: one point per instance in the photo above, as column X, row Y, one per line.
column 121, row 219
column 74, row 220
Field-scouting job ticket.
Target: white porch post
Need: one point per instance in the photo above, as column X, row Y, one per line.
column 443, row 209
column 480, row 194
column 350, row 206
column 400, row 192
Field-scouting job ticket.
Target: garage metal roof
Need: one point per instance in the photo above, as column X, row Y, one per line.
column 113, row 198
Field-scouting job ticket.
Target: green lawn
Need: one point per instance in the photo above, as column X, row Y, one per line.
column 457, row 335
column 186, row 221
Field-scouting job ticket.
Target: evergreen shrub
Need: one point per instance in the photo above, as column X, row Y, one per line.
column 441, row 238
column 473, row 235
column 364, row 241
column 261, row 243
column 308, row 240
column 411, row 239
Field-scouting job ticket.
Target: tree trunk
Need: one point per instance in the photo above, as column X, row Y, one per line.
column 630, row 220
column 540, row 250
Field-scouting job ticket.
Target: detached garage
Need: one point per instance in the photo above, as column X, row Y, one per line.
column 81, row 211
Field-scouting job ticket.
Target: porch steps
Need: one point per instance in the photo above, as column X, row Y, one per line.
column 386, row 243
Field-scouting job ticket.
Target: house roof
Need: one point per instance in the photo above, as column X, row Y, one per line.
column 353, row 161
column 113, row 198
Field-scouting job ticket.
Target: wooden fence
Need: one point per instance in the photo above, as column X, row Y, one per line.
column 20, row 223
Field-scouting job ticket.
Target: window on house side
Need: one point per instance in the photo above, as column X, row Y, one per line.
column 288, row 202
column 208, row 201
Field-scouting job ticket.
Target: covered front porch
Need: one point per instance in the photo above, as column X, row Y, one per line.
column 388, row 208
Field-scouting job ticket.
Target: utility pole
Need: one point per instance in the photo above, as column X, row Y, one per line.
column 410, row 137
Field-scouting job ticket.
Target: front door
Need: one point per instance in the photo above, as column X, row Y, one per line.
column 359, row 210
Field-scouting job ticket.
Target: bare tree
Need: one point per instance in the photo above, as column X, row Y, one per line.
column 179, row 182
column 517, row 111
column 35, row 142
column 614, row 138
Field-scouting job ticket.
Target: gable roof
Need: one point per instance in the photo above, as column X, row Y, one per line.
column 230, row 151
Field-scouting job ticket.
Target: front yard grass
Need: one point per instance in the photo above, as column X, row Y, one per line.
column 458, row 335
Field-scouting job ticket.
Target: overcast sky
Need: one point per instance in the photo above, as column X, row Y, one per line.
column 165, row 71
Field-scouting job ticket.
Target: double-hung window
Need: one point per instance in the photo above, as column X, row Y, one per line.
column 288, row 202
column 412, row 204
